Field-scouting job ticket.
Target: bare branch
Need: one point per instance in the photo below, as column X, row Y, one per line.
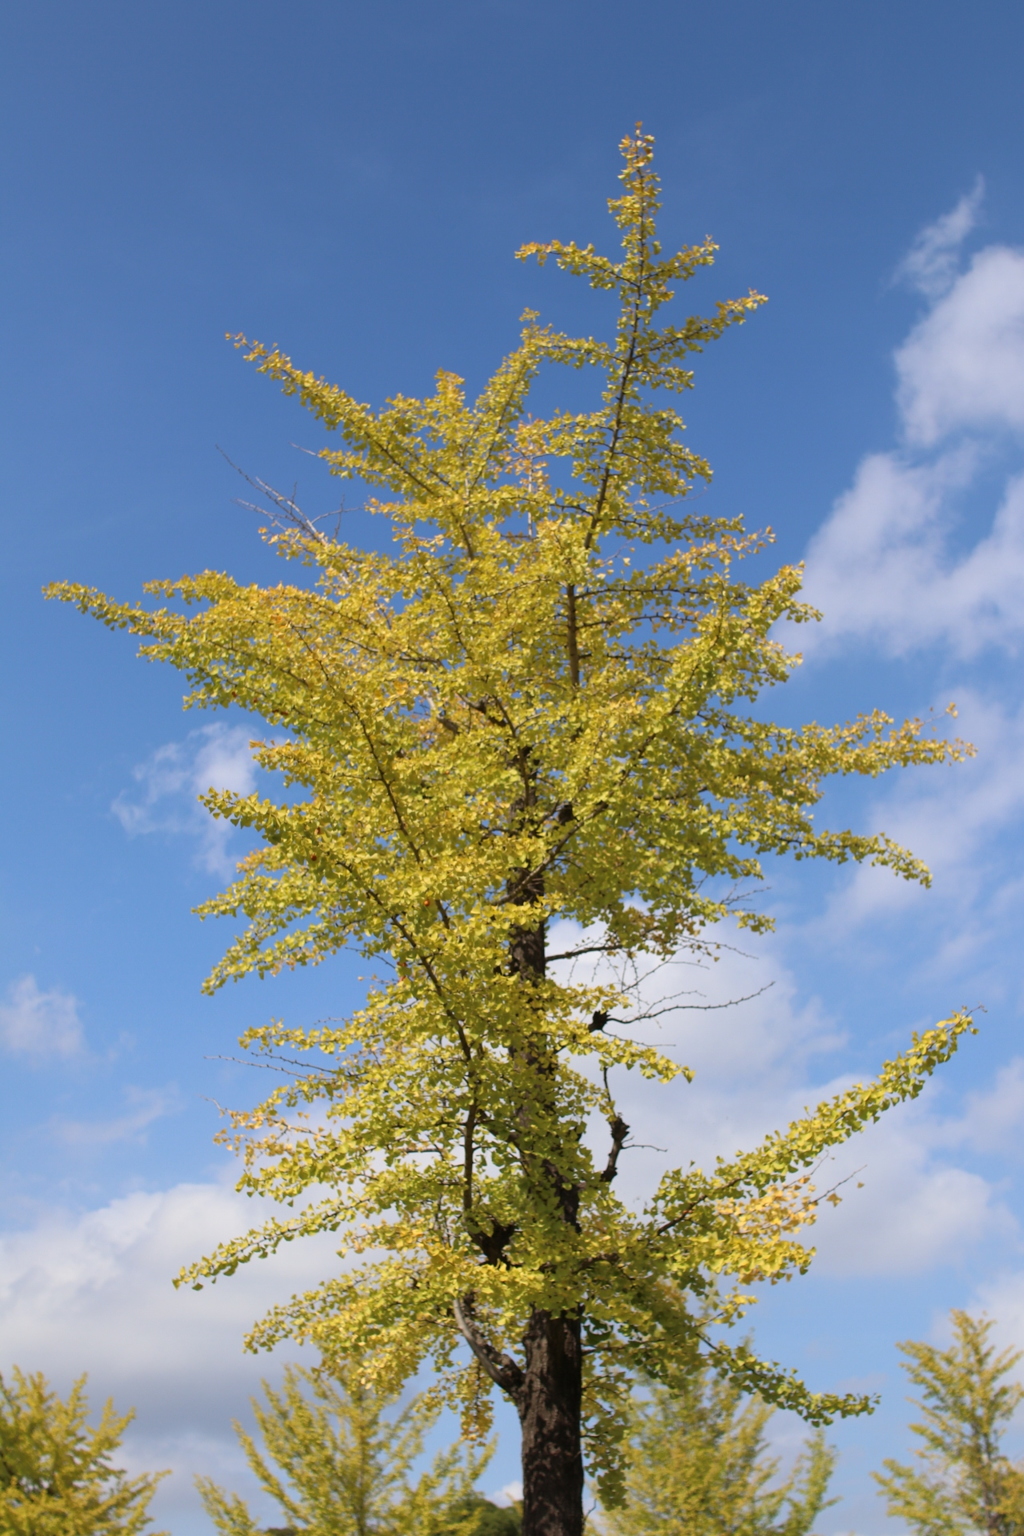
column 284, row 511
column 673, row 1007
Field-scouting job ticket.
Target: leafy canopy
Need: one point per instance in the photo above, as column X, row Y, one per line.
column 56, row 1476
column 962, row 1484
column 521, row 736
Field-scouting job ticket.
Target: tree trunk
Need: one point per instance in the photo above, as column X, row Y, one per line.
column 549, row 1402
column 548, row 1394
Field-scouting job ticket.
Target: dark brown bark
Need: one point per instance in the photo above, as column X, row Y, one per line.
column 547, row 1391
column 549, row 1400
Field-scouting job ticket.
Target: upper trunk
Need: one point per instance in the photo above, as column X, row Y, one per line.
column 527, row 945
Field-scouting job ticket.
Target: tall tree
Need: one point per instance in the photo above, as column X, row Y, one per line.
column 337, row 1463
column 56, row 1475
column 698, row 1466
column 528, row 722
column 963, row 1484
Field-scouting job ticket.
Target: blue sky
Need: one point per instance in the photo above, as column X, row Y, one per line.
column 351, row 182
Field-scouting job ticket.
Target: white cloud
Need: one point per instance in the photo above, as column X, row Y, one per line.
column 882, row 565
column 512, row 1493
column 213, row 757
column 905, row 558
column 1001, row 1299
column 915, row 1210
column 39, row 1024
column 94, row 1293
column 992, row 1116
column 930, row 264
column 962, row 367
column 960, row 819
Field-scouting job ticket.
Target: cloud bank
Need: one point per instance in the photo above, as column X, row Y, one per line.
column 926, row 550
column 92, row 1293
column 911, row 1202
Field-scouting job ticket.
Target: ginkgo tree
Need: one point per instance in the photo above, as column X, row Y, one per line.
column 56, row 1471
column 699, row 1465
column 532, row 713
column 963, row 1483
column 336, row 1462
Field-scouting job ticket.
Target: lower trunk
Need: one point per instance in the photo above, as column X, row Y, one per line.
column 549, row 1415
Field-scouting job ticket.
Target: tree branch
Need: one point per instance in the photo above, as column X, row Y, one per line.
column 501, row 1368
column 619, row 1130
column 573, row 635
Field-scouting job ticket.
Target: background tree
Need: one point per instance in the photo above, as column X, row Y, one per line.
column 337, row 1462
column 519, row 738
column 698, row 1466
column 483, row 1517
column 962, row 1484
column 56, row 1476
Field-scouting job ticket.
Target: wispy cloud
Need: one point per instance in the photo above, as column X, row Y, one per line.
column 40, row 1024
column 144, row 1106
column 931, row 263
column 170, row 781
